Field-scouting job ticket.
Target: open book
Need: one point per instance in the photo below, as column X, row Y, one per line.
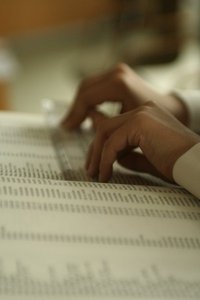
column 63, row 237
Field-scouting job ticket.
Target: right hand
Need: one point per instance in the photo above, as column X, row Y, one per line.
column 121, row 85
column 160, row 136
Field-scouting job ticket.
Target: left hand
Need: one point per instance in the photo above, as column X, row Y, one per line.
column 121, row 85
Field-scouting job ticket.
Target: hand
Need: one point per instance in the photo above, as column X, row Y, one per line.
column 121, row 85
column 160, row 136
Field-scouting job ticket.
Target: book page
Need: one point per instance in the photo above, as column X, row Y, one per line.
column 33, row 149
column 26, row 148
column 75, row 240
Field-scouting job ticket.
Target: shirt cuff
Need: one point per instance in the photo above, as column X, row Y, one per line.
column 191, row 99
column 186, row 170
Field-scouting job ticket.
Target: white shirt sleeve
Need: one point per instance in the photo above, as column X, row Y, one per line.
column 186, row 170
column 191, row 99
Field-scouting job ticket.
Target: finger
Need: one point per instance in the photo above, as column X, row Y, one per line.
column 78, row 109
column 76, row 116
column 115, row 144
column 94, row 153
column 89, row 154
column 95, row 79
column 104, row 131
column 88, row 97
column 97, row 118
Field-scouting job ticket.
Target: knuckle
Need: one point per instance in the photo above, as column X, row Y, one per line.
column 147, row 108
column 140, row 116
column 121, row 68
column 144, row 112
column 150, row 104
column 121, row 73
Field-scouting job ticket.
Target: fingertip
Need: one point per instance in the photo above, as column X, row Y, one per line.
column 104, row 176
column 89, row 178
column 65, row 121
column 69, row 124
column 103, row 179
column 90, row 171
column 71, row 120
column 64, row 124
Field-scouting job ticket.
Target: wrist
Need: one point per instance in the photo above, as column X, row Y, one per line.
column 176, row 107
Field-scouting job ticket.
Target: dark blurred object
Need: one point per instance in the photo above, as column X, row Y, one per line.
column 27, row 16
column 8, row 69
column 4, row 96
column 156, row 29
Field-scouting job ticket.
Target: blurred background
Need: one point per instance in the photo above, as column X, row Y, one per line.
column 48, row 46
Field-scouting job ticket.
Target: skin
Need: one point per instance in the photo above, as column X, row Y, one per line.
column 157, row 127
column 122, row 85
